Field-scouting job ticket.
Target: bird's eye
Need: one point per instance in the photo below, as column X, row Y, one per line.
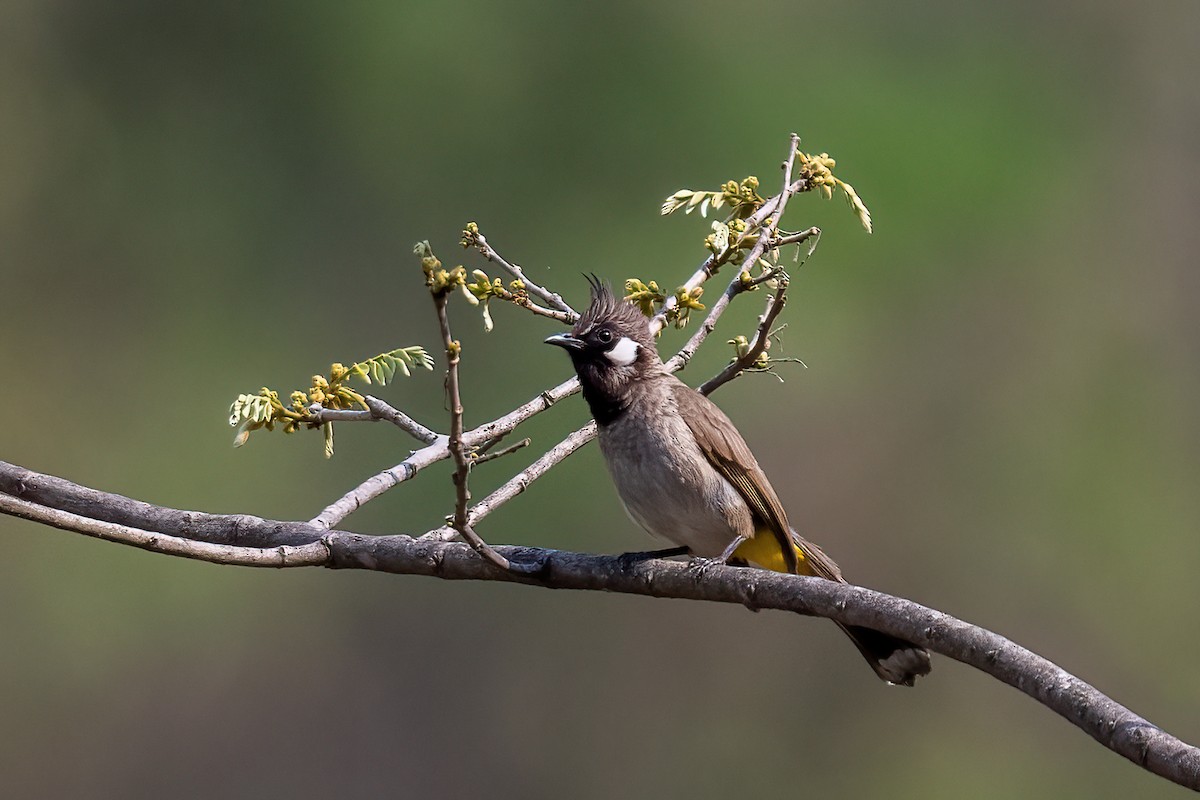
column 604, row 336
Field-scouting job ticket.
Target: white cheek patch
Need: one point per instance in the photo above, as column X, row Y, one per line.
column 624, row 352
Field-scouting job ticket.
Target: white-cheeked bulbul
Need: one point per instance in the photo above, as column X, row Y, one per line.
column 685, row 474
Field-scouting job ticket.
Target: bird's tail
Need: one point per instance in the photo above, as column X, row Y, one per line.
column 894, row 660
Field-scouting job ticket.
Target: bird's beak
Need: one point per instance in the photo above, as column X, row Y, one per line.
column 565, row 341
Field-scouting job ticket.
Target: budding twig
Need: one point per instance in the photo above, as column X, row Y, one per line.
column 565, row 317
column 773, row 208
column 377, row 410
column 757, row 346
column 462, row 462
column 736, row 286
column 554, row 299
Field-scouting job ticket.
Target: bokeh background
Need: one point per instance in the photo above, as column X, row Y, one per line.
column 998, row 417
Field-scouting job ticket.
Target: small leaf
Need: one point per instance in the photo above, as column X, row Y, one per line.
column 327, row 429
column 243, row 434
column 858, row 206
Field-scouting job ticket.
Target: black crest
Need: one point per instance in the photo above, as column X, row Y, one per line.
column 617, row 312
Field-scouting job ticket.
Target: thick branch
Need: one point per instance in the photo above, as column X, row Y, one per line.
column 314, row 554
column 236, row 529
column 1110, row 723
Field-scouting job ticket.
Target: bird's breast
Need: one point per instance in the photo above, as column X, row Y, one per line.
column 667, row 484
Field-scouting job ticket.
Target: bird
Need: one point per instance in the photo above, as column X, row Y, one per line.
column 685, row 474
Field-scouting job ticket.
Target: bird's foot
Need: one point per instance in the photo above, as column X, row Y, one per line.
column 627, row 560
column 701, row 566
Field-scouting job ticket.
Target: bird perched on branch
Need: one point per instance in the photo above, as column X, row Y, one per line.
column 685, row 474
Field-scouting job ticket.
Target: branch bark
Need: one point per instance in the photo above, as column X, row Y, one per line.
column 33, row 496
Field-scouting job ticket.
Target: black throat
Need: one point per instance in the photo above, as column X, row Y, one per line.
column 607, row 390
column 606, row 408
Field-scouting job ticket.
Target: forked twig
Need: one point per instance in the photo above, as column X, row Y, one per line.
column 462, row 463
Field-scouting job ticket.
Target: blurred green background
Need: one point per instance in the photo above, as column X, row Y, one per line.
column 998, row 417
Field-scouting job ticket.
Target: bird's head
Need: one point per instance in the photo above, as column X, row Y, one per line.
column 611, row 346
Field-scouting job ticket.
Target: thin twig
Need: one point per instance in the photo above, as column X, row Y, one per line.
column 552, row 298
column 711, row 264
column 377, row 410
column 519, row 482
column 373, row 487
column 681, row 358
column 775, row 273
column 523, row 412
column 462, row 463
column 377, row 484
column 484, row 448
column 786, row 193
column 769, row 207
column 484, row 457
column 523, row 301
column 735, row 287
column 387, row 412
column 794, row 238
column 758, row 345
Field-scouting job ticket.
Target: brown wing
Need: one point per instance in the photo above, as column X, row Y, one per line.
column 728, row 452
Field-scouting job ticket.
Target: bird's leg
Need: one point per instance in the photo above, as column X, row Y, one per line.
column 728, row 552
column 627, row 560
column 701, row 565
